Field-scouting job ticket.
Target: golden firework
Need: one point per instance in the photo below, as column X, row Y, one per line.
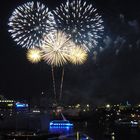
column 56, row 48
column 34, row 55
column 78, row 55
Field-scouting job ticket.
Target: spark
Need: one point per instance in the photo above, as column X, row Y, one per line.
column 29, row 22
column 78, row 55
column 80, row 21
column 56, row 48
column 34, row 55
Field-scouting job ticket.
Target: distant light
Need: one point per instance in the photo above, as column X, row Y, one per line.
column 77, row 106
column 6, row 101
column 36, row 111
column 10, row 105
column 132, row 115
column 113, row 137
column 133, row 122
column 118, row 113
column 21, row 105
column 84, row 110
column 108, row 106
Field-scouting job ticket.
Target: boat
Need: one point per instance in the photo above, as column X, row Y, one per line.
column 64, row 122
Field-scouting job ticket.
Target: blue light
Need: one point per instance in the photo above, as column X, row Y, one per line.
column 60, row 128
column 61, row 123
column 51, row 123
column 21, row 105
column 65, row 124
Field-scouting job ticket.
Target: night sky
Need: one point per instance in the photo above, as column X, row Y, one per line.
column 114, row 77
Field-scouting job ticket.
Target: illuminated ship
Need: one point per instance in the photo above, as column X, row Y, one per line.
column 60, row 123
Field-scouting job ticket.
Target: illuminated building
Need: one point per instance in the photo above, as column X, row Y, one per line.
column 6, row 107
column 6, row 104
column 11, row 107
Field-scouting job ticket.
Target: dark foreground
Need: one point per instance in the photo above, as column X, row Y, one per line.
column 91, row 127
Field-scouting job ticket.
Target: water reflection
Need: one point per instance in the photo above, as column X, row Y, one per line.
column 65, row 130
column 100, row 131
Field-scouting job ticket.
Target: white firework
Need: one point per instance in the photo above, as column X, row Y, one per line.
column 29, row 23
column 81, row 21
column 56, row 48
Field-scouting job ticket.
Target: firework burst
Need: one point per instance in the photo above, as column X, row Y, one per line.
column 56, row 48
column 29, row 22
column 78, row 55
column 81, row 21
column 34, row 55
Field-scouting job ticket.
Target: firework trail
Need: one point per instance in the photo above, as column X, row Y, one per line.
column 55, row 51
column 61, row 86
column 53, row 77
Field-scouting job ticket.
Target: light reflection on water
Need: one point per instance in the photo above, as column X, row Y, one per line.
column 106, row 132
column 65, row 130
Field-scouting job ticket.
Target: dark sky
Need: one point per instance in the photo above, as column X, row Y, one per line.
column 113, row 78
